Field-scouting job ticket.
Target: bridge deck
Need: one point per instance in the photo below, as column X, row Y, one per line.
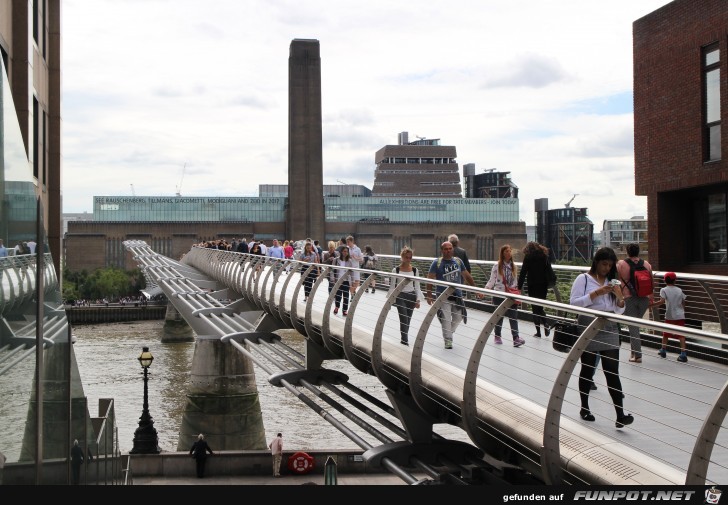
column 668, row 412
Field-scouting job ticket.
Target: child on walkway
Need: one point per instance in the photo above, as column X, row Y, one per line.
column 674, row 300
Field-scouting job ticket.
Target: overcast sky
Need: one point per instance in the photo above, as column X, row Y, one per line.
column 161, row 96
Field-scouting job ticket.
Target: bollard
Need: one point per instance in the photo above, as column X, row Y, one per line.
column 330, row 472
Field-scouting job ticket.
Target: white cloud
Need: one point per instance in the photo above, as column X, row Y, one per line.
column 535, row 88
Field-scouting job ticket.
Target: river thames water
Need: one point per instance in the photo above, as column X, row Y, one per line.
column 107, row 357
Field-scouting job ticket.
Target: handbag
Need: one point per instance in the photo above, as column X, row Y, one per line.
column 513, row 291
column 565, row 336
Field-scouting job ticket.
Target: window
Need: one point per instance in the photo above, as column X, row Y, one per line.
column 709, row 225
column 711, row 71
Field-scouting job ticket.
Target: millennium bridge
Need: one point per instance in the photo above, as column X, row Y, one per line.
column 517, row 406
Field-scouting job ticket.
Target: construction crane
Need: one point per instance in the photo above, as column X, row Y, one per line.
column 568, row 204
column 132, row 190
column 179, row 186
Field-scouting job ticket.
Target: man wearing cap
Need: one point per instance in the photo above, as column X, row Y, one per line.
column 674, row 300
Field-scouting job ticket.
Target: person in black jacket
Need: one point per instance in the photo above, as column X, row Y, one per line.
column 534, row 273
column 77, row 458
column 199, row 452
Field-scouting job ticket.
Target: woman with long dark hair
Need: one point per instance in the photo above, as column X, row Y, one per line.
column 595, row 290
column 533, row 273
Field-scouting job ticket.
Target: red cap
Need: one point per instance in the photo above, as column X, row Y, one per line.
column 671, row 276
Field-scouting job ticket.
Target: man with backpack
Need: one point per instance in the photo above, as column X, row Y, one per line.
column 637, row 288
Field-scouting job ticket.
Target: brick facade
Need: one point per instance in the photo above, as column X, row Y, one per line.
column 91, row 245
column 668, row 125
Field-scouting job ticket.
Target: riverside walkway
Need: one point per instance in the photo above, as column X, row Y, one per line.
column 518, row 407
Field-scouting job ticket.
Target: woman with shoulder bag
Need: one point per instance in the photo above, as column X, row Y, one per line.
column 595, row 290
column 503, row 276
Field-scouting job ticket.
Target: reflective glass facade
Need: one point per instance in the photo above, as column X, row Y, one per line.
column 32, row 313
column 272, row 209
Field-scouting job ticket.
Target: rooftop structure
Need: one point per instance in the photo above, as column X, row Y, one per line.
column 419, row 168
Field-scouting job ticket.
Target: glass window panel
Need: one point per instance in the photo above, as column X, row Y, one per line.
column 712, row 57
column 712, row 96
column 714, row 147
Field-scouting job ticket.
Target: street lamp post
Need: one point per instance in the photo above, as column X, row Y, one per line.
column 145, row 436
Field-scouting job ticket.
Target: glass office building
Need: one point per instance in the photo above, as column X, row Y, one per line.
column 272, row 209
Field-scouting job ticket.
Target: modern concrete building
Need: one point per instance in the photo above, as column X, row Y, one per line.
column 421, row 168
column 680, row 96
column 619, row 233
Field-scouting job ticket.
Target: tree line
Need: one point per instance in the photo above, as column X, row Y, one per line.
column 110, row 283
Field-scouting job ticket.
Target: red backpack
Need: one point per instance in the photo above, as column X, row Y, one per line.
column 640, row 279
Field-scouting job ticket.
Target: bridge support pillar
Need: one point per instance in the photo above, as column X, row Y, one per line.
column 176, row 328
column 222, row 400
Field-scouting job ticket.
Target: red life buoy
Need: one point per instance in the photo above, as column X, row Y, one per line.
column 300, row 462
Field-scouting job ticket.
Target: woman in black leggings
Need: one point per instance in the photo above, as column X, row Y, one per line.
column 595, row 290
column 534, row 273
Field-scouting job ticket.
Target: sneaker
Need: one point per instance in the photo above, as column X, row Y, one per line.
column 518, row 342
column 498, row 340
column 404, row 342
column 336, row 310
column 346, row 312
column 662, row 353
column 593, row 387
column 448, row 345
column 624, row 421
column 682, row 358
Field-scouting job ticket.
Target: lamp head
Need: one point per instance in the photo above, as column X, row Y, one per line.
column 146, row 358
